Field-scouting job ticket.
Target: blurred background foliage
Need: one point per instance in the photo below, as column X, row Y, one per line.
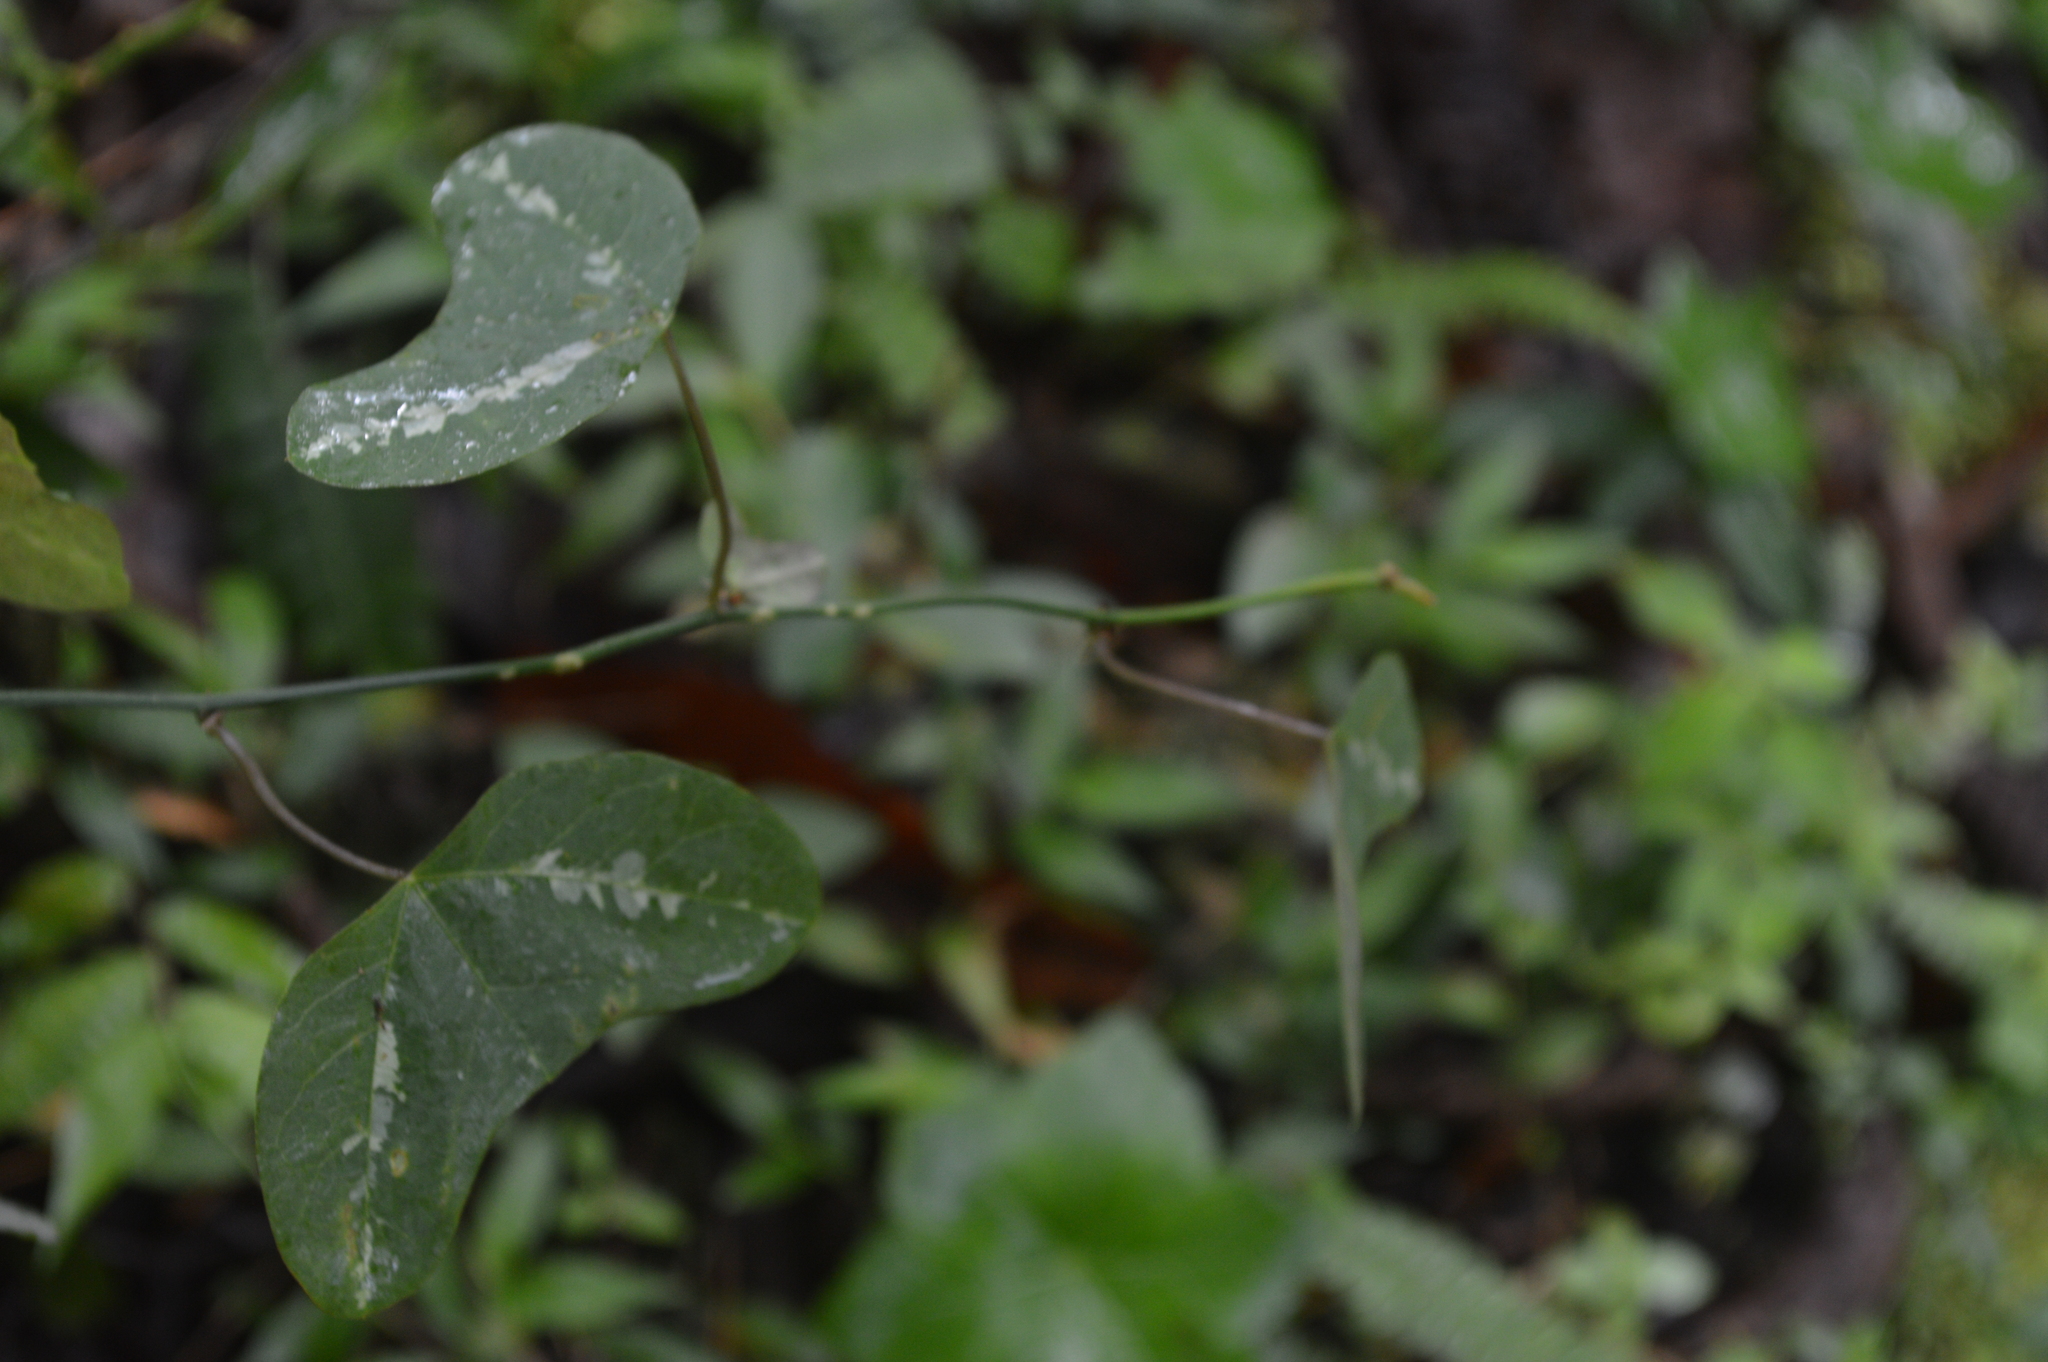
column 1692, row 351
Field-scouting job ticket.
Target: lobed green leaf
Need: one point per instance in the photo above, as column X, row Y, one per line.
column 575, row 894
column 569, row 248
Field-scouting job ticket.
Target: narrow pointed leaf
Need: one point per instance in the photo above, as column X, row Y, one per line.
column 568, row 248
column 576, row 894
column 1350, row 973
column 54, row 553
column 1375, row 756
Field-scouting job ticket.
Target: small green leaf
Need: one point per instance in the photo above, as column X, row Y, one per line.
column 1877, row 100
column 1725, row 372
column 296, row 1330
column 775, row 573
column 909, row 126
column 249, row 630
column 522, row 745
column 1119, row 1087
column 582, row 1293
column 744, row 1089
column 1376, row 768
column 659, row 1345
column 843, row 839
column 1086, row 866
column 576, row 894
column 620, row 504
column 227, row 943
column 849, row 944
column 516, row 1204
column 624, row 1208
column 1408, row 1281
column 308, row 113
column 1241, row 211
column 57, row 902
column 901, row 332
column 1149, row 794
column 101, row 813
column 54, row 1029
column 1540, row 558
column 346, row 564
column 569, row 249
column 1492, row 491
column 54, row 554
column 218, row 1040
column 1556, row 719
column 1473, row 288
column 1083, row 1212
column 768, row 282
column 1025, row 248
column 1682, row 603
column 905, row 1072
column 111, row 1124
column 394, row 273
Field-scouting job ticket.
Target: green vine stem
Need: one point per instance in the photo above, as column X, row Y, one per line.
column 1385, row 577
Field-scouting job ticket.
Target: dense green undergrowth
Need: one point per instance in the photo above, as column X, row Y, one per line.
column 1690, row 763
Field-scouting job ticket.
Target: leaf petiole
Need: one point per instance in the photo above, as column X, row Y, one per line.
column 213, row 724
column 1195, row 695
column 714, row 481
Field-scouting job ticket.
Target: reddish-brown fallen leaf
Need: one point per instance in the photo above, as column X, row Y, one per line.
column 186, row 818
column 720, row 723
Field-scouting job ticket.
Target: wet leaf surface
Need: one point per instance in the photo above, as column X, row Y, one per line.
column 575, row 895
column 569, row 247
